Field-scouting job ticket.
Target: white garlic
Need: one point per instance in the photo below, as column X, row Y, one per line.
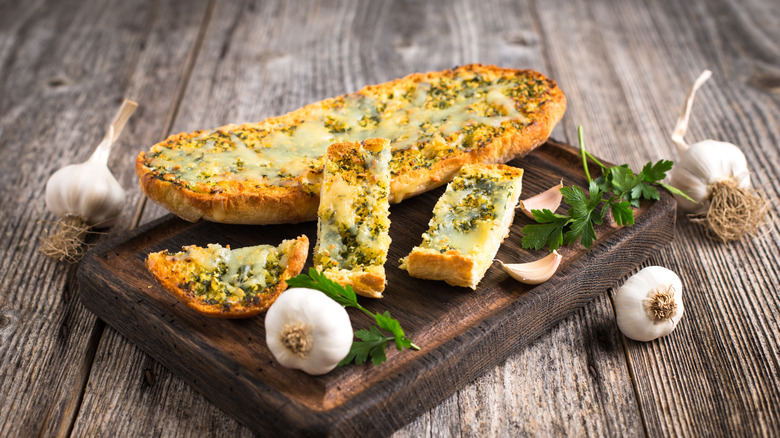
column 307, row 330
column 535, row 272
column 705, row 163
column 550, row 199
column 649, row 304
column 89, row 191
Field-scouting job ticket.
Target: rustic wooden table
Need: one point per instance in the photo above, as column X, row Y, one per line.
column 625, row 67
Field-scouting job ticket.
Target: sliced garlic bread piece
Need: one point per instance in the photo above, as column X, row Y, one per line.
column 469, row 222
column 352, row 230
column 220, row 282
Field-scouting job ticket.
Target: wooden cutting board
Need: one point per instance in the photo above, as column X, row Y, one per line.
column 462, row 333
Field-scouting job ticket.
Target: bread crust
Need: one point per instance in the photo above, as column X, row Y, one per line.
column 249, row 203
column 297, row 252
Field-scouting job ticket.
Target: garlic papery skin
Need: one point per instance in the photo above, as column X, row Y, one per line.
column 535, row 272
column 308, row 331
column 701, row 166
column 649, row 304
column 87, row 191
column 550, row 199
column 705, row 163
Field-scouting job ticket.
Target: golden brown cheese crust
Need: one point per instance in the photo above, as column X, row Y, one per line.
column 415, row 169
column 173, row 276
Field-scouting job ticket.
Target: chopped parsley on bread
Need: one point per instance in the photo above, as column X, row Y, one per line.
column 469, row 222
column 229, row 283
column 271, row 171
column 353, row 224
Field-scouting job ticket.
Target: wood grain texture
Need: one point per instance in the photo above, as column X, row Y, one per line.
column 62, row 78
column 716, row 374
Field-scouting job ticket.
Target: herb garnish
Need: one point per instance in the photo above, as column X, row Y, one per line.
column 372, row 342
column 617, row 190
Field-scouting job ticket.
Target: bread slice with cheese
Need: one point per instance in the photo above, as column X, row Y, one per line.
column 229, row 283
column 353, row 224
column 469, row 222
column 271, row 171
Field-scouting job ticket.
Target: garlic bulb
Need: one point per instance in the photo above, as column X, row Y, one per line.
column 308, row 331
column 85, row 195
column 550, row 199
column 649, row 304
column 89, row 190
column 715, row 175
column 705, row 163
column 535, row 272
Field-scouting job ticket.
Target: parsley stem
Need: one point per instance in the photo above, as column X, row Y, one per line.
column 583, row 152
column 587, row 155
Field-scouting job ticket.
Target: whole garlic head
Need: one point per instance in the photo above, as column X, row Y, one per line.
column 308, row 331
column 88, row 191
column 649, row 304
column 702, row 165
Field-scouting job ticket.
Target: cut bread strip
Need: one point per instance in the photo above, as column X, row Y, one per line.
column 352, row 231
column 469, row 222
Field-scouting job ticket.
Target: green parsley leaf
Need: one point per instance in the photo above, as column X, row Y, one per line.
column 343, row 295
column 372, row 342
column 653, row 173
column 616, row 191
column 548, row 232
column 622, row 213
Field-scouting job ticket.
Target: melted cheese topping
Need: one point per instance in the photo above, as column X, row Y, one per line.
column 425, row 119
column 469, row 216
column 353, row 213
column 221, row 275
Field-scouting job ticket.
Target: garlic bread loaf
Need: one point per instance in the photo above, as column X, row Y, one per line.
column 220, row 282
column 469, row 222
column 353, row 223
column 271, row 171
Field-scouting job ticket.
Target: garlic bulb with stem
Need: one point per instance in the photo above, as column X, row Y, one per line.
column 307, row 330
column 85, row 195
column 535, row 272
column 649, row 304
column 716, row 177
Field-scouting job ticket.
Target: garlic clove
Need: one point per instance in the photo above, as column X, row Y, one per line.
column 535, row 272
column 550, row 199
column 649, row 304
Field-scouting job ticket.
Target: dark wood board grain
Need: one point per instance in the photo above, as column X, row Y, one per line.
column 462, row 333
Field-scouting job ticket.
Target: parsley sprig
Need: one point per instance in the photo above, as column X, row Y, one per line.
column 373, row 342
column 617, row 190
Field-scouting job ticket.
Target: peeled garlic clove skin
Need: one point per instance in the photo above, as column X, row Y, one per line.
column 702, row 165
column 88, row 191
column 323, row 320
column 549, row 199
column 536, row 272
column 632, row 299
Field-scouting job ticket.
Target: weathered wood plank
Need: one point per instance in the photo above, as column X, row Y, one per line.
column 282, row 73
column 64, row 69
column 717, row 373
